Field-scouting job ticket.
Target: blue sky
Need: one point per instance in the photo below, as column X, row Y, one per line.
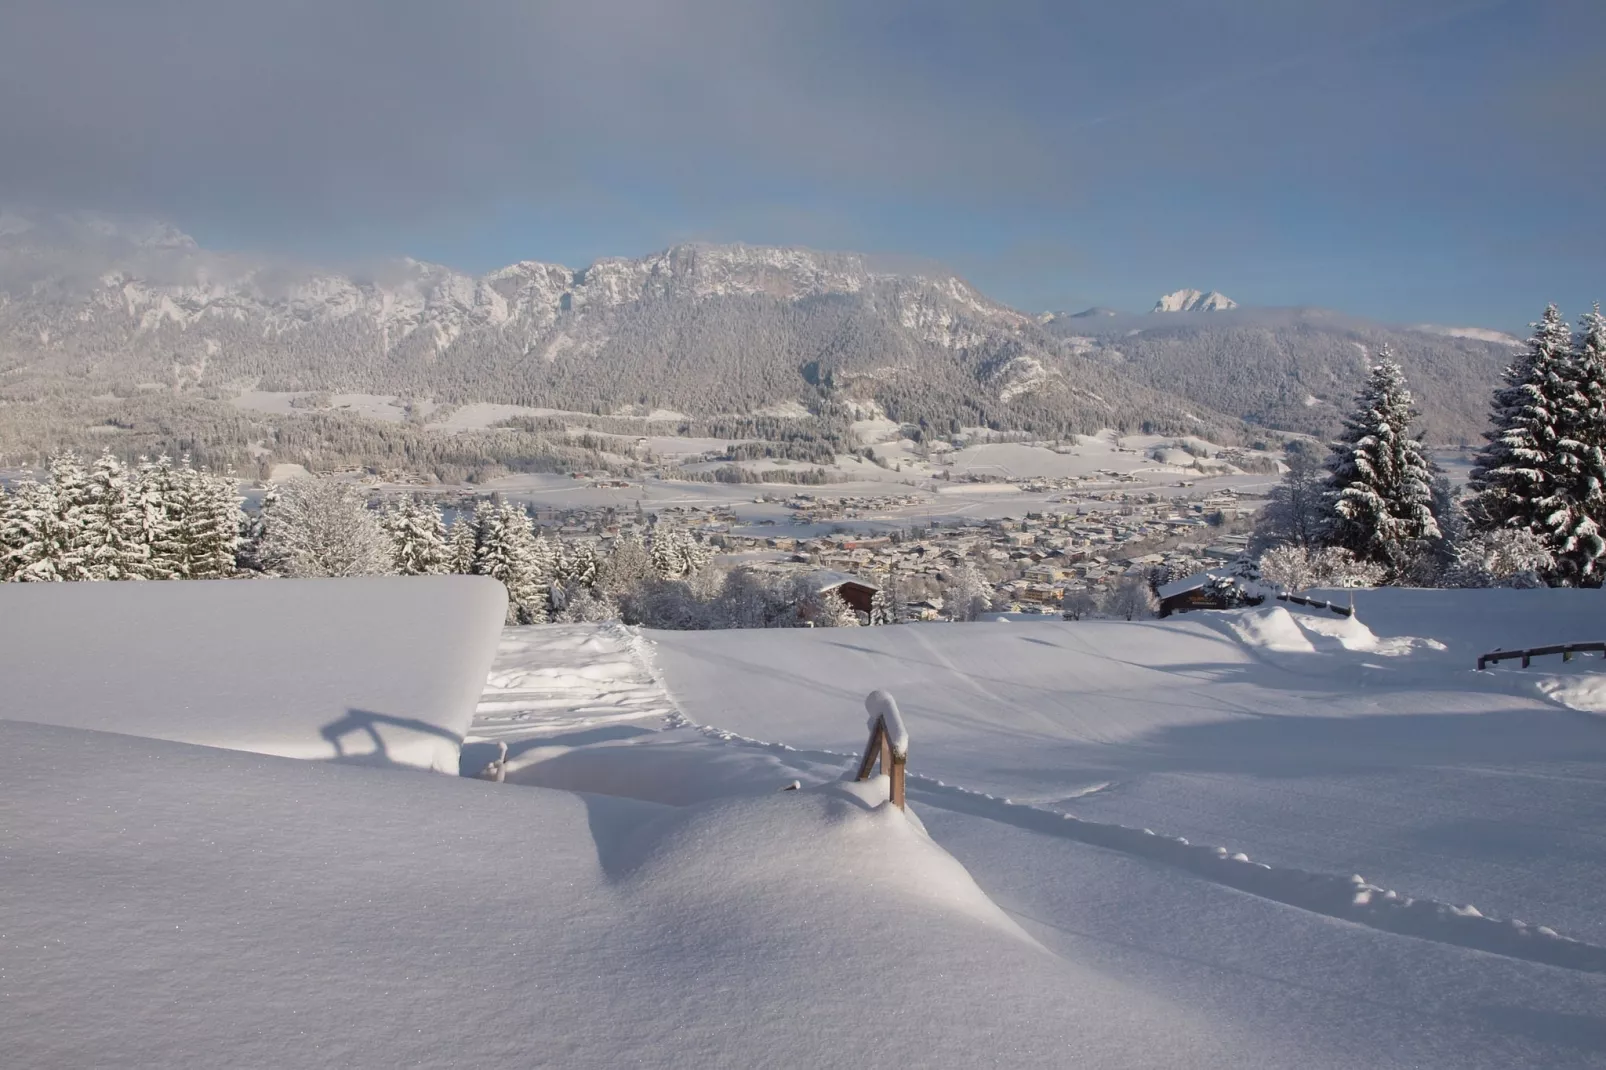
column 1430, row 160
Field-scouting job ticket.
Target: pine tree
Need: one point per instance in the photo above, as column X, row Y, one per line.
column 40, row 537
column 461, row 547
column 1574, row 510
column 577, row 565
column 203, row 513
column 505, row 551
column 113, row 544
column 829, row 610
column 417, row 538
column 252, row 529
column 1511, row 477
column 893, row 591
column 881, row 611
column 627, row 566
column 543, row 555
column 156, row 493
column 668, row 559
column 1380, row 497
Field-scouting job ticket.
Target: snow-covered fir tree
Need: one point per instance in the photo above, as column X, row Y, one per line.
column 1573, row 513
column 202, row 533
column 627, row 566
column 578, row 565
column 828, row 609
column 417, row 538
column 675, row 553
column 155, row 486
column 504, row 549
column 39, row 537
column 461, row 544
column 1380, row 495
column 113, row 543
column 883, row 610
column 1513, row 476
column 543, row 555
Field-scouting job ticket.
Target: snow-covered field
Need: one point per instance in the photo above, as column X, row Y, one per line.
column 1333, row 837
column 1270, row 837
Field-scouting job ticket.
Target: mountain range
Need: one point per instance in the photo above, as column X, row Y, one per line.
column 93, row 307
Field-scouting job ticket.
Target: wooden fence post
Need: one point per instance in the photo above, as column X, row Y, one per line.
column 888, row 746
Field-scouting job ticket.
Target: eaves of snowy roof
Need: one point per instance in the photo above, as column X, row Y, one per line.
column 1191, row 583
column 826, row 580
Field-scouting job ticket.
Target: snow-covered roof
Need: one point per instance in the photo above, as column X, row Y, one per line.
column 1193, row 583
column 825, row 580
column 380, row 669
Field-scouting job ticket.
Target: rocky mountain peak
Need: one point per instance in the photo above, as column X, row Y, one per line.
column 1194, row 301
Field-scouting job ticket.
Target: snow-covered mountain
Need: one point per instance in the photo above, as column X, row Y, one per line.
column 93, row 306
column 1193, row 301
column 117, row 307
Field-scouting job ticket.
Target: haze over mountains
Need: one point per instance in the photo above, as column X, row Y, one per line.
column 91, row 307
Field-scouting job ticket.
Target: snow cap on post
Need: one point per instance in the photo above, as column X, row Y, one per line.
column 880, row 705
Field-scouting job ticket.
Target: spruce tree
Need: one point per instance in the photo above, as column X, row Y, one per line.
column 156, row 505
column 1574, row 510
column 460, row 547
column 204, row 517
column 417, row 538
column 113, row 541
column 881, row 611
column 1379, row 485
column 505, row 551
column 39, row 536
column 665, row 550
column 577, row 565
column 1512, row 476
column 627, row 566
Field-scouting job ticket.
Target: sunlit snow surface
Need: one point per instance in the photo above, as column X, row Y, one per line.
column 1269, row 837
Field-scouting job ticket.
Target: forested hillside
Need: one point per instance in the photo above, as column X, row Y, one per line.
column 105, row 329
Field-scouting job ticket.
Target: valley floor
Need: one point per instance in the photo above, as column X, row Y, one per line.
column 1331, row 840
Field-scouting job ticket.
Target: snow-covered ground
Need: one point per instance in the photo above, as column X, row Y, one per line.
column 1270, row 837
column 1333, row 835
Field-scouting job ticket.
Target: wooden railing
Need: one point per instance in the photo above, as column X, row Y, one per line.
column 1298, row 600
column 1566, row 650
column 889, row 743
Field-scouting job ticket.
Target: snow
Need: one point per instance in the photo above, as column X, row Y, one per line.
column 883, row 708
column 1479, row 334
column 380, row 670
column 1271, row 836
column 311, row 915
column 1194, row 301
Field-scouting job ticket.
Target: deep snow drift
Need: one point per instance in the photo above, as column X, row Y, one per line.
column 316, row 915
column 1270, row 837
column 1333, row 833
column 381, row 669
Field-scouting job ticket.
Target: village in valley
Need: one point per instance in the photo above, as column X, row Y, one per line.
column 855, row 544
